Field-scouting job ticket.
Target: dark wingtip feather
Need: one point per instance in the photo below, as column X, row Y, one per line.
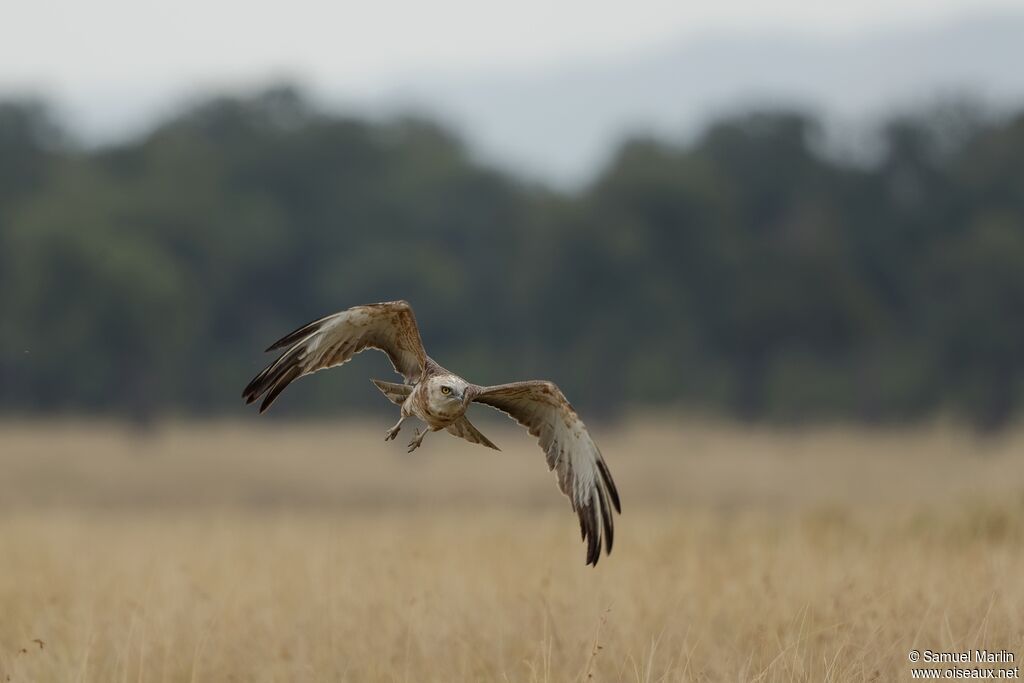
column 296, row 334
column 609, row 526
column 596, row 522
column 591, row 530
column 251, row 391
column 610, row 483
column 283, row 381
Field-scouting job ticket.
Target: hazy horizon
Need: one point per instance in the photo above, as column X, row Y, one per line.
column 556, row 117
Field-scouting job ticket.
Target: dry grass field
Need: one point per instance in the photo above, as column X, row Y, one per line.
column 282, row 552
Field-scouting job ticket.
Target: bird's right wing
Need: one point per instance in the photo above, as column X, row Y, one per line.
column 327, row 342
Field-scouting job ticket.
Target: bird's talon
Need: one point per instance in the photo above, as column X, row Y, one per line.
column 416, row 441
column 392, row 433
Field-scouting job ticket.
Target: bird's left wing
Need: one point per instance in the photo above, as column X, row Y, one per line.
column 571, row 453
column 327, row 342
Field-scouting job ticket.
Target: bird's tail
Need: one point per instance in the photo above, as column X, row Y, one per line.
column 396, row 393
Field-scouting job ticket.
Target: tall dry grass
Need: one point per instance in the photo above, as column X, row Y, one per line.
column 276, row 552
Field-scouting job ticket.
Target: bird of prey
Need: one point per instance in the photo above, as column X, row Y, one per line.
column 440, row 399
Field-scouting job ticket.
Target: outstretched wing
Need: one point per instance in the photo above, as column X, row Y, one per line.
column 571, row 453
column 324, row 343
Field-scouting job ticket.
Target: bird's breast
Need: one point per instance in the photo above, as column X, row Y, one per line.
column 435, row 415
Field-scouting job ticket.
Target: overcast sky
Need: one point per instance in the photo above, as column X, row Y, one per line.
column 532, row 84
column 69, row 45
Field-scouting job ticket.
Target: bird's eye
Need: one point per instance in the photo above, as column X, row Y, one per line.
column 446, row 390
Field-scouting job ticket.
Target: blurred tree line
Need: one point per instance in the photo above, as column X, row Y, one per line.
column 747, row 273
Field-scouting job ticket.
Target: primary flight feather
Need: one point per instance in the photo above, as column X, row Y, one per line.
column 440, row 398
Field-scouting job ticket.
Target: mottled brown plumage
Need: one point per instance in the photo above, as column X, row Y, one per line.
column 440, row 399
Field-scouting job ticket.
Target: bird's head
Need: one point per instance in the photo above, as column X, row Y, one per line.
column 447, row 392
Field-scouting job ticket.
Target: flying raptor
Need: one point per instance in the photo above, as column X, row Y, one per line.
column 440, row 399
